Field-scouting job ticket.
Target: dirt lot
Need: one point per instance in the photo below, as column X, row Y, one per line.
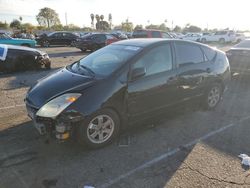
column 190, row 148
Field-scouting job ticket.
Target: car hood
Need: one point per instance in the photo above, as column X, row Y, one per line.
column 56, row 84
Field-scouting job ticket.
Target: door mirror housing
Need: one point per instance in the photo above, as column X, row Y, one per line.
column 137, row 73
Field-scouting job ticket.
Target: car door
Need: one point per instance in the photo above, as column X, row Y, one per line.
column 100, row 40
column 193, row 70
column 155, row 90
column 56, row 39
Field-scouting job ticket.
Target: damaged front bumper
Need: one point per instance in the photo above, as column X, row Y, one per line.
column 61, row 128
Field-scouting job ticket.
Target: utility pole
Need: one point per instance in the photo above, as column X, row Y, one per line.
column 66, row 18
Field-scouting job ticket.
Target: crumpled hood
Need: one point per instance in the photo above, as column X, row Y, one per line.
column 62, row 81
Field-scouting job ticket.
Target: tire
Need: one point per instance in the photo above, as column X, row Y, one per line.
column 73, row 43
column 222, row 41
column 45, row 44
column 83, row 49
column 203, row 40
column 90, row 130
column 212, row 97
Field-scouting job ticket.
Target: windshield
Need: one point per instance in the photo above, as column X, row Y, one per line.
column 244, row 44
column 104, row 61
column 4, row 36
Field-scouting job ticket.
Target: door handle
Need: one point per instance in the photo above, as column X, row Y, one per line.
column 208, row 70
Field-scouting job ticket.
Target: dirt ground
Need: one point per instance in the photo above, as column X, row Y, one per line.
column 187, row 148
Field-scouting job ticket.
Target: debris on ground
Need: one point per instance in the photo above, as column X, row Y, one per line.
column 245, row 159
column 88, row 186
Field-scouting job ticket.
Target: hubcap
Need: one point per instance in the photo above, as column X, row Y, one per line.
column 213, row 97
column 100, row 129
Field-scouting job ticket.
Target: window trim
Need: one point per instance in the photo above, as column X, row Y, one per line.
column 144, row 52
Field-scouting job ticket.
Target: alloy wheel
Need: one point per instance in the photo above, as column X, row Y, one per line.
column 100, row 129
column 214, row 97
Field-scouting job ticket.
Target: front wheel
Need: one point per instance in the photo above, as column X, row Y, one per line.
column 73, row 43
column 213, row 97
column 100, row 129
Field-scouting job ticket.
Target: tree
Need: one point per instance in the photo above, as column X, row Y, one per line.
column 58, row 27
column 97, row 17
column 20, row 18
column 127, row 26
column 101, row 17
column 138, row 27
column 15, row 24
column 92, row 16
column 48, row 17
column 110, row 20
column 28, row 26
column 192, row 29
column 3, row 25
column 177, row 29
column 163, row 27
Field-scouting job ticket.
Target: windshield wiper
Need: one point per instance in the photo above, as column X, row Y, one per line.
column 88, row 69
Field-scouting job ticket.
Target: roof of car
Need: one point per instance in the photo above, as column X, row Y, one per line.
column 144, row 42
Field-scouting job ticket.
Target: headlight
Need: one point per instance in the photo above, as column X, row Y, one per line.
column 54, row 107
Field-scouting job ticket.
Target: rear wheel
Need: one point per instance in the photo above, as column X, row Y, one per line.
column 222, row 41
column 45, row 43
column 73, row 43
column 213, row 96
column 203, row 40
column 83, row 49
column 100, row 129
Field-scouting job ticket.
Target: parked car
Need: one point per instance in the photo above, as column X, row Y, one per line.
column 239, row 57
column 6, row 39
column 220, row 36
column 120, row 36
column 240, row 37
column 192, row 37
column 17, row 58
column 95, row 41
column 150, row 33
column 57, row 38
column 126, row 82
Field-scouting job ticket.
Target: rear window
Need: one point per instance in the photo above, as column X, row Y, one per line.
column 209, row 53
column 243, row 44
column 156, row 34
column 188, row 53
column 221, row 33
column 140, row 34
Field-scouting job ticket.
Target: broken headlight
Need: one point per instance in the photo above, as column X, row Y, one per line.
column 54, row 107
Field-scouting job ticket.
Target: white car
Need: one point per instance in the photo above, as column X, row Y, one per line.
column 219, row 36
column 192, row 36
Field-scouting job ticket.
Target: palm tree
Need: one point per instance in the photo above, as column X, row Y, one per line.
column 97, row 17
column 92, row 16
column 102, row 17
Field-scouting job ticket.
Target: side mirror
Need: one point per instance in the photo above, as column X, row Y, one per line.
column 138, row 72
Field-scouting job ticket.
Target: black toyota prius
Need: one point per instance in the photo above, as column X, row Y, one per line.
column 132, row 80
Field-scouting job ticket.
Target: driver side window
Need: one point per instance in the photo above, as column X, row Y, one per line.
column 157, row 60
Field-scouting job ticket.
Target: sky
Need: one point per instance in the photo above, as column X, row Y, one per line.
column 203, row 13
